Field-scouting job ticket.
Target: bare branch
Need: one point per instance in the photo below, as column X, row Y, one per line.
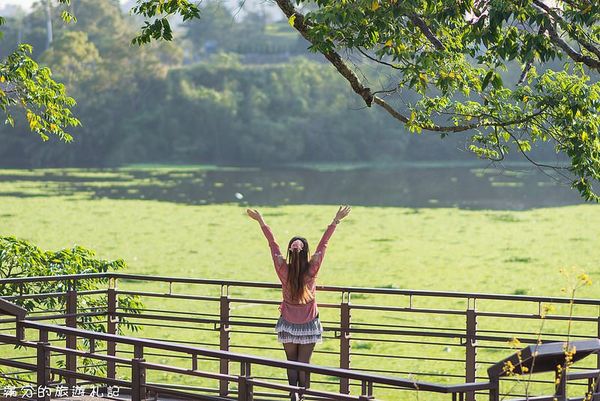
column 524, row 153
column 376, row 59
column 386, row 91
column 333, row 57
column 572, row 53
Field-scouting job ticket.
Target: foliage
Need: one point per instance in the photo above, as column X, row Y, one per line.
column 220, row 30
column 23, row 83
column 73, row 57
column 218, row 111
column 270, row 114
column 20, row 258
column 46, row 105
column 450, row 63
column 452, row 54
column 161, row 10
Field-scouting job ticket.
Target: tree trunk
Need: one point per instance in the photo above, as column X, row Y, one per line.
column 48, row 25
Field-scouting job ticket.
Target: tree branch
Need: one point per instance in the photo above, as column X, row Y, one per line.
column 334, row 58
column 541, row 166
column 565, row 25
column 377, row 60
column 572, row 53
column 299, row 23
column 420, row 23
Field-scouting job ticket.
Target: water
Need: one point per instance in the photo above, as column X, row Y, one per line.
column 449, row 186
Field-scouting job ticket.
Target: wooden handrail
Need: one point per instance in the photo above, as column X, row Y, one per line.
column 8, row 308
column 342, row 373
column 355, row 290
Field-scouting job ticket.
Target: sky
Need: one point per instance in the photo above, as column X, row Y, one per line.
column 24, row 3
column 272, row 11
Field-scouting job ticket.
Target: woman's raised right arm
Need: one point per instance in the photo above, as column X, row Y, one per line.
column 278, row 258
column 317, row 257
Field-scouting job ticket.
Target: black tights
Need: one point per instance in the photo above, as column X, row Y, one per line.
column 298, row 353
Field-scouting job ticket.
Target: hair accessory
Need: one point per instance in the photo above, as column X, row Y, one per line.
column 297, row 245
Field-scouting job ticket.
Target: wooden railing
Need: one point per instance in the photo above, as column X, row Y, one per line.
column 140, row 389
column 470, row 322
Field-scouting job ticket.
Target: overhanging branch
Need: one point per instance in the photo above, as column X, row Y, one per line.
column 425, row 30
column 299, row 23
column 560, row 42
column 549, row 12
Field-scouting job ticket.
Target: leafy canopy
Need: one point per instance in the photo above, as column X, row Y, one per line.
column 20, row 258
column 450, row 58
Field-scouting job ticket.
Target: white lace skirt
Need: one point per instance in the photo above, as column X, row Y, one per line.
column 299, row 333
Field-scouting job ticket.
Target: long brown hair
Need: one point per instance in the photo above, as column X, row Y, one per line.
column 298, row 267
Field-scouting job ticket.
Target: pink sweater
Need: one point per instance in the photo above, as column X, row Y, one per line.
column 293, row 312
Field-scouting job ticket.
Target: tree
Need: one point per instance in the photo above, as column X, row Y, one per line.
column 218, row 27
column 20, row 259
column 23, row 83
column 49, row 33
column 445, row 61
column 450, row 57
column 73, row 56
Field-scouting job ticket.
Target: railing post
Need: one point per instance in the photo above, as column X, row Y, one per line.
column 471, row 349
column 345, row 320
column 20, row 330
column 598, row 354
column 43, row 367
column 111, row 315
column 560, row 387
column 71, row 340
column 138, row 374
column 494, row 389
column 224, row 339
column 245, row 388
column 595, row 385
column 366, row 393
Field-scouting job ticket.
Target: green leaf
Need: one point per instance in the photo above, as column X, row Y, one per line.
column 497, row 81
column 486, row 80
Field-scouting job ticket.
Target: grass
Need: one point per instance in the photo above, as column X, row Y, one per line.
column 385, row 247
column 467, row 248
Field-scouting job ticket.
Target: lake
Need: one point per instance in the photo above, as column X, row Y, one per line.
column 462, row 186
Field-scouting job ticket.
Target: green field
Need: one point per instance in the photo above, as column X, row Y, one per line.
column 374, row 246
column 433, row 249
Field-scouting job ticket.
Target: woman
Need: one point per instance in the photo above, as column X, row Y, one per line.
column 298, row 327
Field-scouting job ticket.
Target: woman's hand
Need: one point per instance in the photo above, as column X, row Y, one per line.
column 254, row 215
column 342, row 212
